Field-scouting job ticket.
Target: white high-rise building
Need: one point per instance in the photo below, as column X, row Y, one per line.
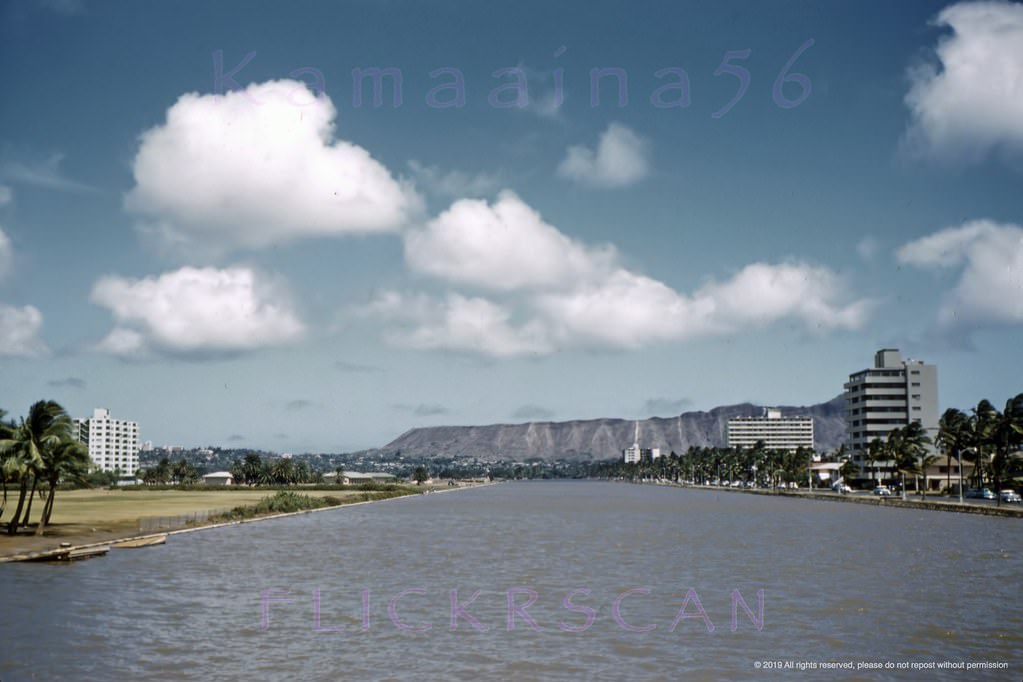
column 777, row 432
column 891, row 394
column 113, row 443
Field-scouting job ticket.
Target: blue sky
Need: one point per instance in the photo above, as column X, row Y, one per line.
column 276, row 266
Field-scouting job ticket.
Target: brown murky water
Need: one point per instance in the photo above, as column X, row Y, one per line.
column 572, row 580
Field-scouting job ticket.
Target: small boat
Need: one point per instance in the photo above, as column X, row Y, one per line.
column 147, row 541
column 85, row 553
column 72, row 553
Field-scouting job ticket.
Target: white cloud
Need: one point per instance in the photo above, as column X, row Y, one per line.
column 533, row 412
column 946, row 247
column 502, row 246
column 622, row 158
column 194, row 311
column 19, row 331
column 762, row 293
column 625, row 311
column 6, row 255
column 6, row 195
column 459, row 323
column 545, row 99
column 990, row 288
column 557, row 293
column 45, row 173
column 633, row 311
column 867, row 247
column 973, row 104
column 123, row 342
column 453, row 183
column 665, row 406
column 258, row 167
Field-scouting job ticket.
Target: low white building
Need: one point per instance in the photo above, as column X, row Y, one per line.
column 218, row 478
column 354, row 477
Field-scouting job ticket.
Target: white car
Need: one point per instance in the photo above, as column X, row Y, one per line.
column 883, row 491
column 841, row 488
column 1010, row 496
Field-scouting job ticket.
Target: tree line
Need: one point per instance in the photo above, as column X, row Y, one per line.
column 759, row 465
column 988, row 438
column 38, row 452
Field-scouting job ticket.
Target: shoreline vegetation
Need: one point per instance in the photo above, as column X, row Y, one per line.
column 271, row 504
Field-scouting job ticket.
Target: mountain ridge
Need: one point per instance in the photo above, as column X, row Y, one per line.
column 603, row 438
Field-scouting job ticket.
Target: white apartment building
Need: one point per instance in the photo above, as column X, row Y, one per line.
column 889, row 395
column 113, row 443
column 777, row 432
column 634, row 453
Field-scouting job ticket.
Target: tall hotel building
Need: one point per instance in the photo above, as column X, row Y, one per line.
column 113, row 443
column 777, row 432
column 891, row 394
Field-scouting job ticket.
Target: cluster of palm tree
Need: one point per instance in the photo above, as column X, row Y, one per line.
column 280, row 471
column 989, row 439
column 906, row 447
column 165, row 472
column 703, row 465
column 37, row 453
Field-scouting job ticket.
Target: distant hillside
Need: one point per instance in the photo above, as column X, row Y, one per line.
column 605, row 438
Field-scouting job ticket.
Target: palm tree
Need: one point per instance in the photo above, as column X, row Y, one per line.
column 162, row 472
column 983, row 423
column 68, row 460
column 1004, row 433
column 303, row 474
column 283, row 471
column 907, row 445
column 253, row 468
column 849, row 469
column 237, row 471
column 875, row 452
column 6, row 431
column 953, row 436
column 46, row 426
column 926, row 460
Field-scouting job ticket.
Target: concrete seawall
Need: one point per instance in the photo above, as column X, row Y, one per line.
column 878, row 501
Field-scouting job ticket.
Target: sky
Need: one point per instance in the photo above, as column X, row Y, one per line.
column 213, row 224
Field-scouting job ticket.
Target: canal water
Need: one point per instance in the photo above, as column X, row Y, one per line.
column 538, row 580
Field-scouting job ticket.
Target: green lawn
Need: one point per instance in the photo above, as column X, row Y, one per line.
column 118, row 506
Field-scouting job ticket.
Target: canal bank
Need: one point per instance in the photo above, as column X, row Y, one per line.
column 875, row 500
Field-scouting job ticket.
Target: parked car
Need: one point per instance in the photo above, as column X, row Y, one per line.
column 841, row 488
column 982, row 494
column 1011, row 496
column 883, row 491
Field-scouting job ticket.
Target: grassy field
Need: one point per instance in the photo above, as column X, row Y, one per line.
column 105, row 507
column 96, row 516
